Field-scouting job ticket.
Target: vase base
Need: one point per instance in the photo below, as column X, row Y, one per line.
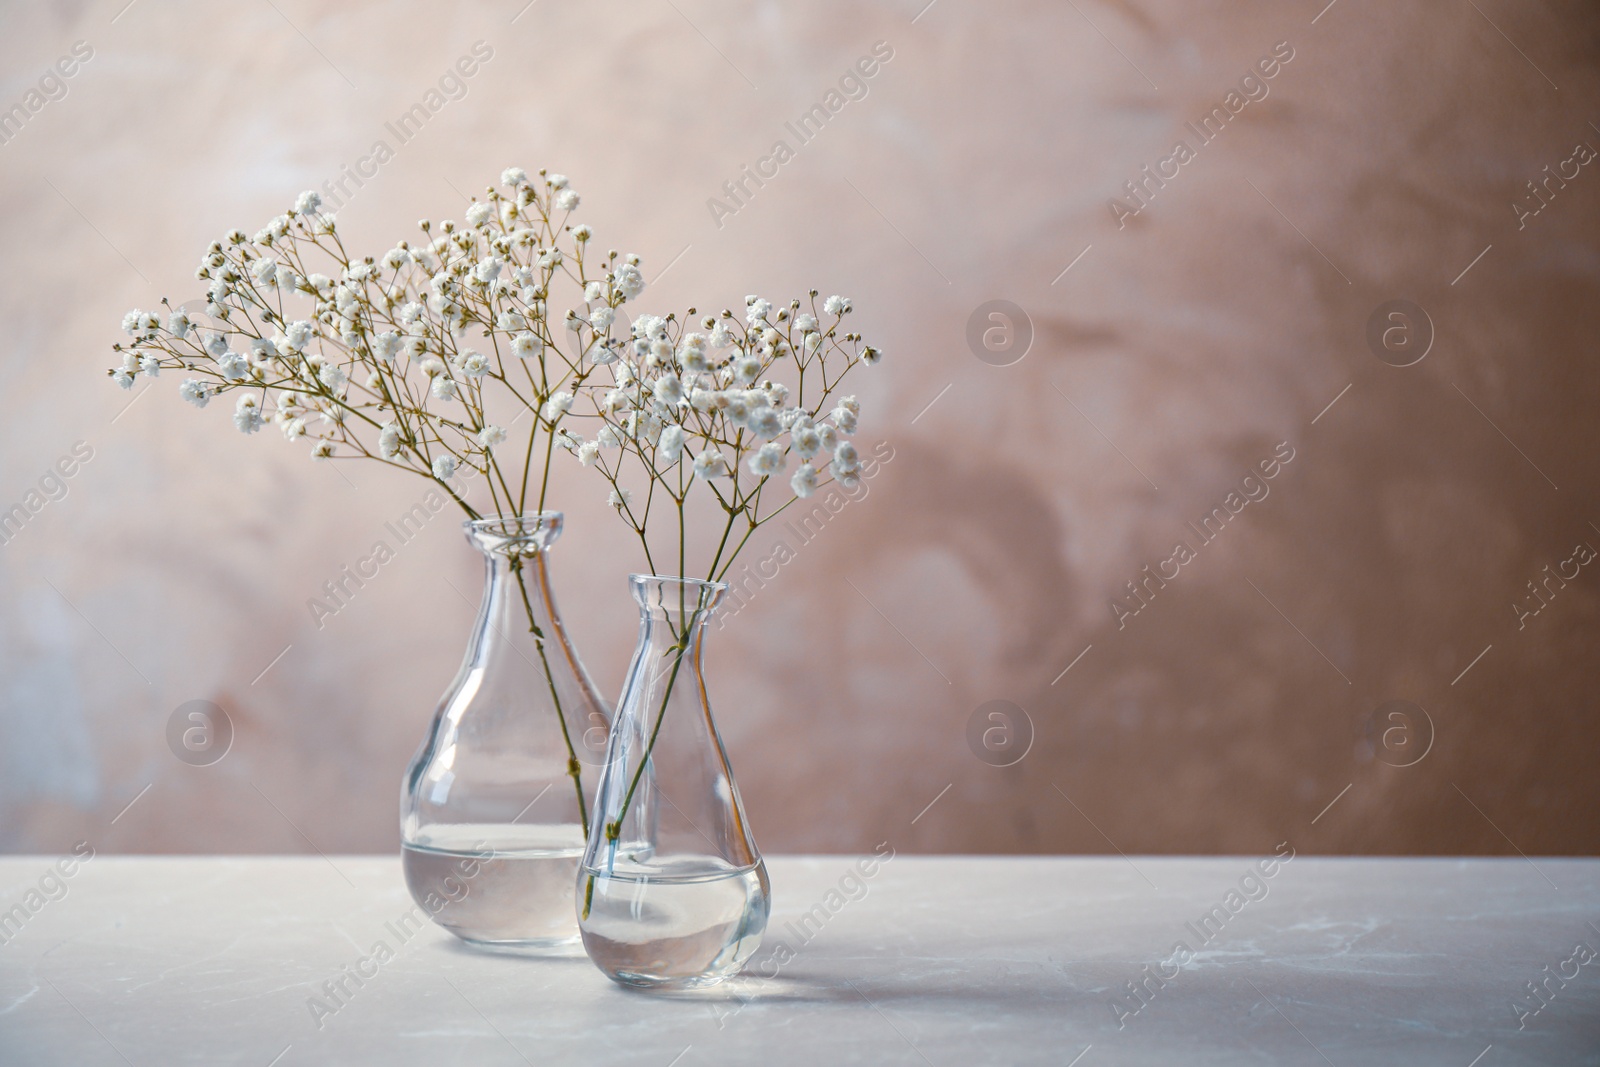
column 564, row 947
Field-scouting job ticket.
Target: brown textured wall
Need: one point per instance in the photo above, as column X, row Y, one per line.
column 1175, row 354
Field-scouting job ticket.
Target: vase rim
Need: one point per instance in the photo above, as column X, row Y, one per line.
column 534, row 529
column 653, row 592
column 670, row 579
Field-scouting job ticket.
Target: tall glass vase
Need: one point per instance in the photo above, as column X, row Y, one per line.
column 672, row 893
column 494, row 809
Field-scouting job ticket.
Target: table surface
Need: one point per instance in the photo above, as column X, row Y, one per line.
column 941, row 961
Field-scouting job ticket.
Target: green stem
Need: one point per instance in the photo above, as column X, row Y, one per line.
column 574, row 767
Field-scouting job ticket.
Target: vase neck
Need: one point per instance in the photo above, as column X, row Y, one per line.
column 518, row 611
column 681, row 602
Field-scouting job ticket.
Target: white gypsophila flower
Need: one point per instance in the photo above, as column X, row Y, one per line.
column 526, row 345
column 669, row 446
column 178, row 324
column 845, row 458
column 396, row 258
column 323, row 449
column 307, row 203
column 487, row 270
column 150, row 365
column 581, row 233
column 812, row 342
column 333, row 377
column 490, row 436
column 356, row 273
column 385, row 345
column 804, row 482
column 389, row 440
column 601, row 318
column 122, row 378
column 619, row 399
column 130, row 322
column 479, row 213
column 247, row 413
column 566, row 200
column 195, row 392
column 756, row 310
column 511, row 321
column 234, row 367
column 130, row 361
column 293, row 429
column 444, row 467
column 766, row 423
column 474, row 364
column 720, row 337
column 870, row 355
column 748, row 369
column 320, row 282
column 805, row 323
column 843, row 418
column 836, row 305
column 807, row 442
column 850, row 404
column 608, row 438
column 410, row 312
column 559, row 404
column 594, row 292
column 298, row 335
column 710, row 464
column 216, row 345
column 588, row 453
column 668, row 389
column 620, row 498
column 737, row 408
column 629, row 281
column 443, row 388
column 768, row 459
column 432, row 368
column 556, row 181
column 513, row 176
column 828, row 436
column 550, row 259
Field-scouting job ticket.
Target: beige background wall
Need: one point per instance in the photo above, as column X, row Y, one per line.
column 1174, row 354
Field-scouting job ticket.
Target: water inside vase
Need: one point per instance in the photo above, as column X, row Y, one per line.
column 500, row 886
column 686, row 922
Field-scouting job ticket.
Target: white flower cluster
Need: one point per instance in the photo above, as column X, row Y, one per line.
column 734, row 398
column 369, row 357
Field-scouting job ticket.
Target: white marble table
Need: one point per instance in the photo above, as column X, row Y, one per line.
column 158, row 961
